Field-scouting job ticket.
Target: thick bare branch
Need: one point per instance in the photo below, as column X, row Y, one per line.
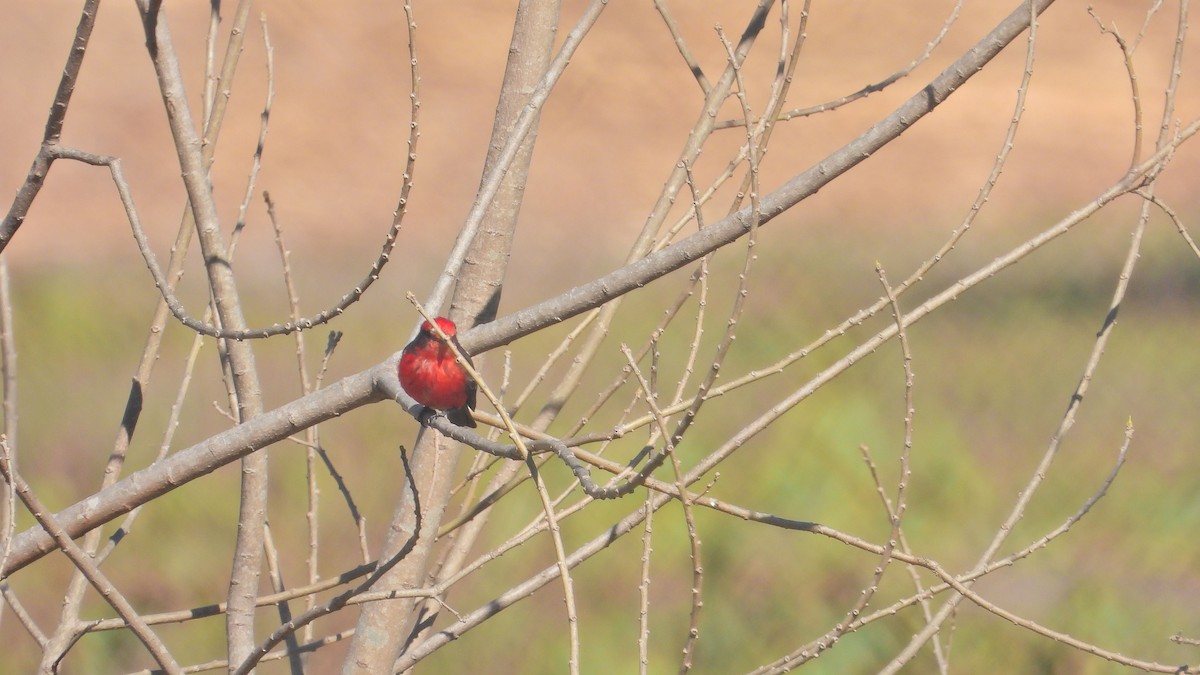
column 730, row 229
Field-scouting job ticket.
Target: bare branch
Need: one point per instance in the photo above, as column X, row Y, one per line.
column 54, row 124
column 84, row 564
column 729, row 229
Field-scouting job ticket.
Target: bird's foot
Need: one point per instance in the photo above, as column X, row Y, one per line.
column 427, row 415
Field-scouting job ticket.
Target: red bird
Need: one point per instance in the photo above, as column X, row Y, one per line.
column 429, row 373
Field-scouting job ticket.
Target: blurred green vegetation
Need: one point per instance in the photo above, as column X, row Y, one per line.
column 994, row 374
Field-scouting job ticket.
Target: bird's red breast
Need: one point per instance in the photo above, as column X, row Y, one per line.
column 429, row 373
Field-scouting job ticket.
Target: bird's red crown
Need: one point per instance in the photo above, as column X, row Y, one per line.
column 445, row 324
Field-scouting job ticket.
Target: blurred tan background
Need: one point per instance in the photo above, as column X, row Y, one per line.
column 336, row 143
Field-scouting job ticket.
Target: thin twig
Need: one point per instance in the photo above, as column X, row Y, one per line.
column 84, row 564
column 519, row 442
column 22, row 615
column 340, row 600
column 689, row 646
column 1175, row 219
column 1068, row 419
column 644, row 592
column 28, row 192
column 870, row 88
column 902, row 542
column 681, row 45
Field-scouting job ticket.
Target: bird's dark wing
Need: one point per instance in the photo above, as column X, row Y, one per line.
column 472, row 388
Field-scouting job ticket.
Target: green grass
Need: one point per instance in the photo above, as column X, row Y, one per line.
column 994, row 373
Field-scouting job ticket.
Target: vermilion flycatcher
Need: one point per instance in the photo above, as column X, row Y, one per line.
column 429, row 373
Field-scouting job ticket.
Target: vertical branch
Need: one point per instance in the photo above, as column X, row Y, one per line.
column 528, row 80
column 605, row 315
column 560, row 556
column 8, row 374
column 701, row 131
column 481, row 280
column 276, row 575
column 689, row 518
column 385, row 625
column 248, row 552
column 515, row 135
column 311, row 434
column 63, row 638
column 215, row 112
column 644, row 592
column 340, row 600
